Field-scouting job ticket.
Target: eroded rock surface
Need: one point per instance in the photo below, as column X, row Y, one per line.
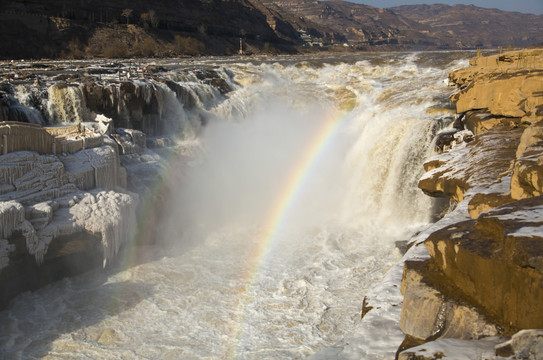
column 490, row 261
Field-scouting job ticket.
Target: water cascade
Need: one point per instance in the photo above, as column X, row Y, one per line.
column 286, row 210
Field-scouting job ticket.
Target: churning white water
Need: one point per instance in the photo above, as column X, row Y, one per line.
column 284, row 214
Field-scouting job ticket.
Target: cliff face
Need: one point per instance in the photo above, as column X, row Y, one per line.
column 33, row 29
column 486, row 257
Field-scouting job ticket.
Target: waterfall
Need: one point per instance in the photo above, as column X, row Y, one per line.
column 67, row 104
column 293, row 180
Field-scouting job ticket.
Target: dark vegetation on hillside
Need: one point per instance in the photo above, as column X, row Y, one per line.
column 138, row 28
column 63, row 28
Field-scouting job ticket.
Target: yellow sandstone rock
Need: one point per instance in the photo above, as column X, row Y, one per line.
column 506, row 85
column 489, row 268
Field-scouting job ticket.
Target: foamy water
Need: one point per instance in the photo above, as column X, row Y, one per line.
column 306, row 177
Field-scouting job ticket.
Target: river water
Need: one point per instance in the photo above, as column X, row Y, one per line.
column 286, row 209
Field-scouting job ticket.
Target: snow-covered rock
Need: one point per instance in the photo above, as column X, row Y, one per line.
column 56, row 209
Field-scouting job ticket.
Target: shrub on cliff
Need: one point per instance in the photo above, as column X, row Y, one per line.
column 188, row 45
column 116, row 49
column 148, row 47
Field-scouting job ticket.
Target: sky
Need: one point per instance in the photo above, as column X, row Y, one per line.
column 523, row 6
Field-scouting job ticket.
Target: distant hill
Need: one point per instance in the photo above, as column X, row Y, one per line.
column 478, row 27
column 367, row 26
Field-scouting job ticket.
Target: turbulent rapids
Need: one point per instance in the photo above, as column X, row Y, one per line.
column 286, row 199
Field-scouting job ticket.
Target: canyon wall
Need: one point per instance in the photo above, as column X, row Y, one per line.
column 482, row 274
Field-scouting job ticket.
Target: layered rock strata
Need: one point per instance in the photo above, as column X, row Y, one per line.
column 483, row 275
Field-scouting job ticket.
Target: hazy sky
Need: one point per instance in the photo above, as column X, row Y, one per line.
column 524, row 6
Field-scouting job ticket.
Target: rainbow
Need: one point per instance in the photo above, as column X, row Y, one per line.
column 279, row 213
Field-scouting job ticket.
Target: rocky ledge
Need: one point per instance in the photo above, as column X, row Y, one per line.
column 61, row 214
column 476, row 291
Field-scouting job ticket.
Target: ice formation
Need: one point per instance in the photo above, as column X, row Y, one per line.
column 43, row 197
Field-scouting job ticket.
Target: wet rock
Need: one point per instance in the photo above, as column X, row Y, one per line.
column 68, row 255
column 130, row 141
column 139, row 106
column 4, row 106
column 211, row 77
column 504, row 349
column 451, row 139
column 526, row 344
column 184, row 94
column 444, row 141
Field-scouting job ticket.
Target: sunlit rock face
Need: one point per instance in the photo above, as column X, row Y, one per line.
column 496, row 261
column 490, row 258
column 507, row 85
column 429, row 313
